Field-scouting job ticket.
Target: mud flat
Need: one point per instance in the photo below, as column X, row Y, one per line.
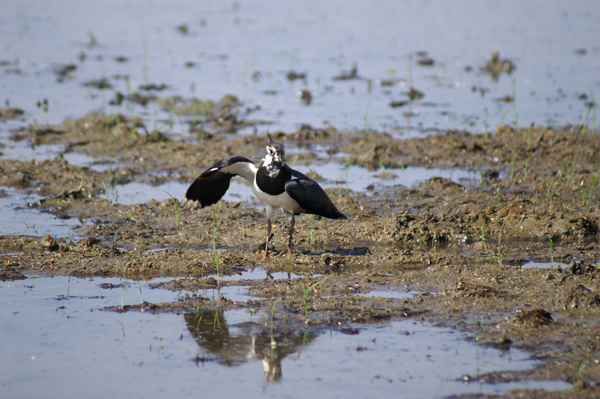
column 463, row 247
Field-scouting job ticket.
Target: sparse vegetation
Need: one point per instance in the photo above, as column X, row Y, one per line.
column 587, row 191
column 216, row 254
column 305, row 289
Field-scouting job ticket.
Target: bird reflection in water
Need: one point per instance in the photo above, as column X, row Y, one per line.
column 234, row 345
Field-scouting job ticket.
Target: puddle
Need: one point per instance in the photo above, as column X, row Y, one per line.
column 211, row 48
column 359, row 179
column 260, row 274
column 24, row 151
column 18, row 218
column 139, row 193
column 58, row 341
column 394, row 294
column 356, row 178
column 544, row 265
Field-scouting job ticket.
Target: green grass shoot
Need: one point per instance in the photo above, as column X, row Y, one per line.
column 273, row 342
column 500, row 253
column 587, row 191
column 486, row 245
column 305, row 289
column 69, row 241
column 140, row 247
column 217, row 255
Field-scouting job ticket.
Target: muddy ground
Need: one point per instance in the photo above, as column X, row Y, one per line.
column 460, row 246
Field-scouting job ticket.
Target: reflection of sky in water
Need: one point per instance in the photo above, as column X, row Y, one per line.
column 544, row 265
column 55, row 333
column 395, row 294
column 18, row 218
column 24, row 151
column 553, row 44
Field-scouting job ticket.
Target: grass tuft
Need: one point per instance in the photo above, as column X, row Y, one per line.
column 217, row 255
column 304, row 290
column 586, row 192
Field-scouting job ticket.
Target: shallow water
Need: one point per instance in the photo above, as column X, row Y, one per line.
column 57, row 340
column 19, row 218
column 247, row 49
column 395, row 294
column 544, row 265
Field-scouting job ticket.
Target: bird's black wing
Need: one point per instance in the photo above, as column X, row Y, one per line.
column 212, row 184
column 311, row 197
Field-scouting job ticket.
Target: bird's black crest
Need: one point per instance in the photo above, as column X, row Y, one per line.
column 275, row 143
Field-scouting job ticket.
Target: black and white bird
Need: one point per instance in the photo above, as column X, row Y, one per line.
column 273, row 182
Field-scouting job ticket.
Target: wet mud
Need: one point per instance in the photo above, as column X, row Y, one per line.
column 462, row 247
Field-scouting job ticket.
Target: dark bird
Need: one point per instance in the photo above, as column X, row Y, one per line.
column 273, row 182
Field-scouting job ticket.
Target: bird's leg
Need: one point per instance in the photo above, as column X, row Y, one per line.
column 289, row 250
column 266, row 254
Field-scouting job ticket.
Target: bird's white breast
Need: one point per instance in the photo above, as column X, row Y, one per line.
column 274, row 202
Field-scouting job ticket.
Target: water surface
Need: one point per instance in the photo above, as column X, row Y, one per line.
column 58, row 341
